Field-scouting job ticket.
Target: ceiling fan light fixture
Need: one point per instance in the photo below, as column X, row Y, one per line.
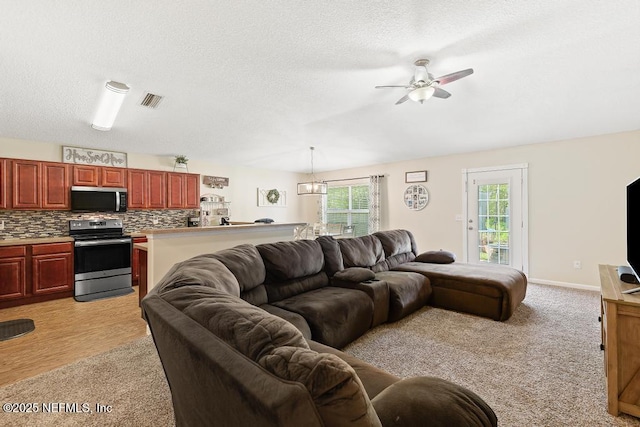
column 421, row 94
column 110, row 102
column 313, row 187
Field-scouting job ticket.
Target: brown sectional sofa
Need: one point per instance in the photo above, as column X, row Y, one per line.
column 250, row 335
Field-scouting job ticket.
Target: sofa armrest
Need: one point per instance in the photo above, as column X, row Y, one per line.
column 416, row 401
column 378, row 291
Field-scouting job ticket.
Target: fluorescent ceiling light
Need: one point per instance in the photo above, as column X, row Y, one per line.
column 110, row 103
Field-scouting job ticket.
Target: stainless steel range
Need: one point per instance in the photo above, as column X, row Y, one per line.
column 102, row 258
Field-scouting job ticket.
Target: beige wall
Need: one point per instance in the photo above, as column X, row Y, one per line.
column 243, row 182
column 576, row 201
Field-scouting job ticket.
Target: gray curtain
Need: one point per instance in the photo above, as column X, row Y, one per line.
column 374, row 203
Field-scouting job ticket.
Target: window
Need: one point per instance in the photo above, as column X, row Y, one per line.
column 349, row 205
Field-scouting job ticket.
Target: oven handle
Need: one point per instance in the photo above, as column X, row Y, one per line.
column 102, row 242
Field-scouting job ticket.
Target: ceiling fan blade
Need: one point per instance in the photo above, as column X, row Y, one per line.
column 440, row 93
column 383, row 87
column 448, row 78
column 403, row 99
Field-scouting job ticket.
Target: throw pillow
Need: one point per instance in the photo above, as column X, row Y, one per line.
column 437, row 257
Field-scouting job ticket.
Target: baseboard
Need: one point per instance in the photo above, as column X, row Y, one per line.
column 564, row 284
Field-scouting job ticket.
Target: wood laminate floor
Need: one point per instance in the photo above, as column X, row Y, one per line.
column 67, row 331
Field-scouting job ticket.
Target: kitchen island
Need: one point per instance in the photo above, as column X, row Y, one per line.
column 165, row 247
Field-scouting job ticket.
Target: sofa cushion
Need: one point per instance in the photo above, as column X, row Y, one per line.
column 245, row 262
column 333, row 384
column 355, row 274
column 399, row 246
column 277, row 291
column 291, row 260
column 407, row 292
column 203, row 270
column 332, row 255
column 294, row 318
column 436, row 257
column 364, row 251
column 336, row 316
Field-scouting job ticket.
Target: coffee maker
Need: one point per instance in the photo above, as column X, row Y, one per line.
column 194, row 219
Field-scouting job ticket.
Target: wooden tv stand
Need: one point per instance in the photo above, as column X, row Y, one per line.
column 620, row 342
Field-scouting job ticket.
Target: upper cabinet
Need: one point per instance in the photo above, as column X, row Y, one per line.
column 183, row 190
column 27, row 184
column 39, row 185
column 4, row 184
column 99, row 176
column 32, row 184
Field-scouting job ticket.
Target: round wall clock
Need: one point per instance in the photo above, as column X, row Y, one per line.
column 416, row 197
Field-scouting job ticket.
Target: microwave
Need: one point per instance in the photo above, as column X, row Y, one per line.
column 98, row 199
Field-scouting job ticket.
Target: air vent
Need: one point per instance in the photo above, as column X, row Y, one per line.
column 150, row 100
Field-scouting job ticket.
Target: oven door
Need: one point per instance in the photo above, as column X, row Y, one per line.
column 96, row 258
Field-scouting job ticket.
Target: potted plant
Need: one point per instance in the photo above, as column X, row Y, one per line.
column 180, row 162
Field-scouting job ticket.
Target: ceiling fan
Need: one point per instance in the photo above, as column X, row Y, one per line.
column 423, row 85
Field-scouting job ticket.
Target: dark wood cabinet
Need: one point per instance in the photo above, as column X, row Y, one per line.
column 55, row 186
column 135, row 261
column 113, row 177
column 52, row 268
column 85, row 176
column 192, row 200
column 13, row 278
column 183, row 190
column 146, row 189
column 35, row 273
column 157, row 190
column 4, row 184
column 27, row 182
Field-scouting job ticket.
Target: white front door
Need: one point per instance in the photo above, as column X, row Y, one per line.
column 496, row 216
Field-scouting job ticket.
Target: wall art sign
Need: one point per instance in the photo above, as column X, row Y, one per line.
column 415, row 176
column 88, row 156
column 215, row 181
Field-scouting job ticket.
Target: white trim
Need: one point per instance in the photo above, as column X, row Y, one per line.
column 564, row 284
column 496, row 168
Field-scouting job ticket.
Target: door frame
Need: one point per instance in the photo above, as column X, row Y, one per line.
column 524, row 167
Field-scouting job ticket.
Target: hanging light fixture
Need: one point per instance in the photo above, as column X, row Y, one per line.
column 110, row 103
column 313, row 187
column 421, row 94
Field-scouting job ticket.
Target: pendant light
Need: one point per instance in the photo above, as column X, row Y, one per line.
column 313, row 187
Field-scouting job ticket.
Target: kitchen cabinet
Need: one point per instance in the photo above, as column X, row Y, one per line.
column 52, row 268
column 157, row 190
column 85, row 176
column 113, row 177
column 4, row 184
column 183, row 190
column 35, row 272
column 135, row 261
column 39, row 185
column 27, row 183
column 55, row 185
column 146, row 189
column 13, row 277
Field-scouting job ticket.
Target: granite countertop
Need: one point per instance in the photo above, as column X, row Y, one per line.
column 213, row 228
column 35, row 241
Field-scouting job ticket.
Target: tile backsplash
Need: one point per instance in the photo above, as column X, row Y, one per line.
column 50, row 223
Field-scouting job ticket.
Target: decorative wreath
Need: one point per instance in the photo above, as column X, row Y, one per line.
column 273, row 196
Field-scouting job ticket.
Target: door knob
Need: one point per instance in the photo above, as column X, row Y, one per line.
column 470, row 228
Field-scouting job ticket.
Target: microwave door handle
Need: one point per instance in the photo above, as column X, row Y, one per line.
column 117, row 201
column 101, row 242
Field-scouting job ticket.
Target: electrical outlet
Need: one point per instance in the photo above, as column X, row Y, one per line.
column 577, row 265
column 458, row 217
column 2, row 225
column 155, row 220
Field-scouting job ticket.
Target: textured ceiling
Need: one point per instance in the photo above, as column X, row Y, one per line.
column 256, row 83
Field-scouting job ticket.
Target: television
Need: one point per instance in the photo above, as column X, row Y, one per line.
column 633, row 230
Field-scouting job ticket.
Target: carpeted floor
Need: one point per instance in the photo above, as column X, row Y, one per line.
column 543, row 367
